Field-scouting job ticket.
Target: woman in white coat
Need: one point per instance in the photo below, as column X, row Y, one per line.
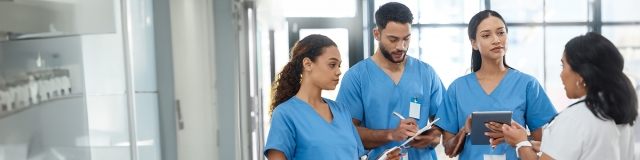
column 600, row 124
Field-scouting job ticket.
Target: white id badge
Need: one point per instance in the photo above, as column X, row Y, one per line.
column 495, row 157
column 414, row 108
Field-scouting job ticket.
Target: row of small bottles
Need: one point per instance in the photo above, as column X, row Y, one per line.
column 37, row 89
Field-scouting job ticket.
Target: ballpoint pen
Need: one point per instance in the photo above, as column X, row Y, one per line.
column 398, row 115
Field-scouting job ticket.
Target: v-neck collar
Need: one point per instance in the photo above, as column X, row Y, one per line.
column 404, row 72
column 475, row 79
column 316, row 112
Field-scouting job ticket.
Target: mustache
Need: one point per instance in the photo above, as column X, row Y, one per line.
column 399, row 51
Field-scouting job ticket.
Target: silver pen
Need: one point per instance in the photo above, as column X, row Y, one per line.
column 398, row 115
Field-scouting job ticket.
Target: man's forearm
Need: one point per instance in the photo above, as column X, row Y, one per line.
column 435, row 142
column 373, row 138
column 437, row 134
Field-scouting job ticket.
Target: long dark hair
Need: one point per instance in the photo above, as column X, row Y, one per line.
column 610, row 94
column 476, row 58
column 288, row 80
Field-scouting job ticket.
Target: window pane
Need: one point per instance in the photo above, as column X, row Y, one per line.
column 318, row 8
column 556, row 38
column 450, row 11
column 525, row 52
column 412, row 4
column 627, row 41
column 414, row 46
column 624, row 36
column 620, row 10
column 566, row 11
column 516, row 11
column 447, row 50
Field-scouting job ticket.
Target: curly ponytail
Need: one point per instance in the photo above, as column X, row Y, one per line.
column 287, row 82
column 286, row 85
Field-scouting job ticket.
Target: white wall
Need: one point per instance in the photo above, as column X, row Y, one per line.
column 192, row 36
column 68, row 16
column 35, row 17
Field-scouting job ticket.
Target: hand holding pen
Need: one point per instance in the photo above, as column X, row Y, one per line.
column 406, row 128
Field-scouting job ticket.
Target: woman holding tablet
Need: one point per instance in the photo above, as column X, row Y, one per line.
column 600, row 124
column 492, row 86
column 303, row 124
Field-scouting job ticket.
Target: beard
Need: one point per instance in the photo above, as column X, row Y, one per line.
column 388, row 56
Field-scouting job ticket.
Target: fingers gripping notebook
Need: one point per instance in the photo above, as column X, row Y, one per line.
column 424, row 129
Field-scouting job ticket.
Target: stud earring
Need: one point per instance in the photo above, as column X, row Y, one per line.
column 578, row 85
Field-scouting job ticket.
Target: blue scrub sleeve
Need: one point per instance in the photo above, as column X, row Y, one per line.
column 539, row 108
column 281, row 135
column 361, row 151
column 438, row 92
column 448, row 112
column 350, row 94
column 344, row 112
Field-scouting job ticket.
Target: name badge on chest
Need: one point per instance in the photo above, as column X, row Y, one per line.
column 495, row 157
column 414, row 108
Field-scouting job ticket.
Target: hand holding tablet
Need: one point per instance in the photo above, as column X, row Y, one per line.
column 478, row 127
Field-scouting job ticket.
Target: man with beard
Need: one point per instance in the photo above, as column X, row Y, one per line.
column 388, row 82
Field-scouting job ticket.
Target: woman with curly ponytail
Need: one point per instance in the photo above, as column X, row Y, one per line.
column 303, row 124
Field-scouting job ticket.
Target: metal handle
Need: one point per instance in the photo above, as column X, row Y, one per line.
column 179, row 112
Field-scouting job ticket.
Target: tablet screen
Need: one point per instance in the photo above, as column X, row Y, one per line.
column 478, row 120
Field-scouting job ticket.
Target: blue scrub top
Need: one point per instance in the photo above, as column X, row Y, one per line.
column 300, row 132
column 517, row 92
column 372, row 96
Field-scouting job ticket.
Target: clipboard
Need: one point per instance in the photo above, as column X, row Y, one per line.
column 424, row 129
column 383, row 156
